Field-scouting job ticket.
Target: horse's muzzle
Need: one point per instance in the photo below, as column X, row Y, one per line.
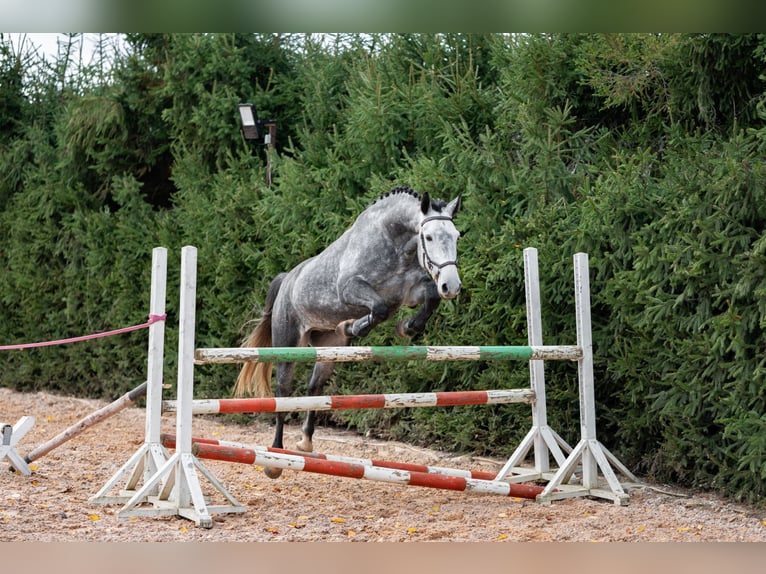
column 448, row 283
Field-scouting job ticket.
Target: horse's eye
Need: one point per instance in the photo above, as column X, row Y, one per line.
column 429, row 238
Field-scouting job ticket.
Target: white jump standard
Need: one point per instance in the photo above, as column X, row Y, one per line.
column 589, row 452
column 541, row 438
column 152, row 455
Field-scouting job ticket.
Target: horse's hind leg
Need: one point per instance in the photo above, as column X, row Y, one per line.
column 284, row 389
column 320, row 374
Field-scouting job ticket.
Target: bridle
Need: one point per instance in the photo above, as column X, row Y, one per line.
column 428, row 264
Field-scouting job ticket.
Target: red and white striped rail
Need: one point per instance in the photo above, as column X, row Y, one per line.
column 354, row 470
column 169, row 441
column 351, row 402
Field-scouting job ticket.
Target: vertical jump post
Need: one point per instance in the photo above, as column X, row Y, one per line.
column 541, row 437
column 589, row 453
column 151, row 455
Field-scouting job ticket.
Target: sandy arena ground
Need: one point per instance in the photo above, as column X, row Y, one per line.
column 52, row 504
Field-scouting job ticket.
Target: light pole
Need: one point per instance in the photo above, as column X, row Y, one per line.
column 252, row 129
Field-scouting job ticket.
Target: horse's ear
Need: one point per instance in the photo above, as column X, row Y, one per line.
column 454, row 206
column 425, row 203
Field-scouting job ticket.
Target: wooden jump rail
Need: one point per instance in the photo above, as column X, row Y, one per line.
column 169, row 441
column 387, row 354
column 86, row 422
column 351, row 402
column 301, row 462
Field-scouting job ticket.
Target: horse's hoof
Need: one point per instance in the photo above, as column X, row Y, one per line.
column 401, row 329
column 344, row 328
column 305, row 445
column 272, row 472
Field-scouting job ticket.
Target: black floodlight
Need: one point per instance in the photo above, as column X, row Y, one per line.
column 248, row 119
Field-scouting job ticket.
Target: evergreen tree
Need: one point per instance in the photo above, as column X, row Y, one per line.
column 643, row 150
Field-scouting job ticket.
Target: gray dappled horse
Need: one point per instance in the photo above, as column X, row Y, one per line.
column 400, row 251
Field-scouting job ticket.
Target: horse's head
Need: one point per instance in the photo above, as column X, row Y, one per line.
column 437, row 245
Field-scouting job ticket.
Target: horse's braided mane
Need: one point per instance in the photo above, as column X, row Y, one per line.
column 436, row 204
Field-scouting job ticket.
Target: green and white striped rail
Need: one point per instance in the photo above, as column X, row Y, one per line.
column 394, row 353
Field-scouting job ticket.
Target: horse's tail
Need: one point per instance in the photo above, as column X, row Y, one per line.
column 255, row 377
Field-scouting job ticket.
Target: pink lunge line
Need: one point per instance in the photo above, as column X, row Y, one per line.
column 152, row 319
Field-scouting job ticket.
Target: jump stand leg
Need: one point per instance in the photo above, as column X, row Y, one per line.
column 589, row 453
column 148, row 459
column 144, row 464
column 177, row 483
column 541, row 438
column 10, row 437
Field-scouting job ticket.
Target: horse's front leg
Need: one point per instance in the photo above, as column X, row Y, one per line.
column 357, row 292
column 415, row 325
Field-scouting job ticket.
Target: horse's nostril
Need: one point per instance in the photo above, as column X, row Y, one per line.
column 445, row 289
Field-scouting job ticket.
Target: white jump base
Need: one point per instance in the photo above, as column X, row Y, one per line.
column 10, row 435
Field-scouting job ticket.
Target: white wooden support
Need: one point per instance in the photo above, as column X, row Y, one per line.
column 10, row 435
column 541, row 438
column 180, row 491
column 589, row 453
column 151, row 455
